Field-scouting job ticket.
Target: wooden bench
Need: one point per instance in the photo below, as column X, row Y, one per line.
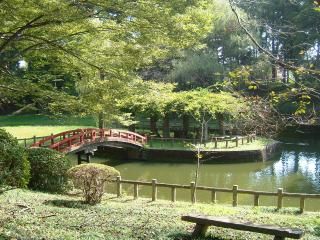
column 203, row 222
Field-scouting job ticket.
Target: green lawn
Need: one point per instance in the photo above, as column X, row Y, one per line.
column 33, row 215
column 27, row 126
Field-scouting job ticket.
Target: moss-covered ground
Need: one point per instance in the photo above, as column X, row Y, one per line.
column 32, row 215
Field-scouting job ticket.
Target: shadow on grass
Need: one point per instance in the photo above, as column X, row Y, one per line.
column 66, row 203
column 184, row 236
column 3, row 237
column 317, row 231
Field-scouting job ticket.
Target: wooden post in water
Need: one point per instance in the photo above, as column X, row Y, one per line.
column 256, row 200
column 154, row 189
column 135, row 191
column 119, row 186
column 280, row 198
column 302, row 204
column 173, row 194
column 193, row 189
column 235, row 195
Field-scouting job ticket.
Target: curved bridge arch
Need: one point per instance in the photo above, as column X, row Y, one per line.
column 75, row 140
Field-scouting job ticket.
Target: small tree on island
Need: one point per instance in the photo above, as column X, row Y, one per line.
column 91, row 179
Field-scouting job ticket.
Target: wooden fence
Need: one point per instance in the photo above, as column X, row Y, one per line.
column 234, row 191
column 215, row 140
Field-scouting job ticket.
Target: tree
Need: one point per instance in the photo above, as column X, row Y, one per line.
column 96, row 41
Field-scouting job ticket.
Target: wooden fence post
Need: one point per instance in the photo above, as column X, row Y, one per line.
column 25, row 142
column 227, row 142
column 280, row 198
column 135, row 191
column 34, row 139
column 173, row 194
column 52, row 140
column 256, row 200
column 235, row 195
column 242, row 140
column 302, row 204
column 193, row 189
column 154, row 189
column 237, row 141
column 215, row 143
column 119, row 186
column 214, row 196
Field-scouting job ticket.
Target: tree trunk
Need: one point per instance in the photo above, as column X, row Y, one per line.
column 221, row 124
column 185, row 126
column 166, row 126
column 205, row 131
column 132, row 127
column 153, row 126
column 274, row 72
column 101, row 122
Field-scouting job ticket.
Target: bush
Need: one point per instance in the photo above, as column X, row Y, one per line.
column 14, row 166
column 48, row 170
column 90, row 178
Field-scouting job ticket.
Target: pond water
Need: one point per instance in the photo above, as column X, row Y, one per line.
column 295, row 168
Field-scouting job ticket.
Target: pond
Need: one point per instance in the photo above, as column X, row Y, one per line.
column 295, row 168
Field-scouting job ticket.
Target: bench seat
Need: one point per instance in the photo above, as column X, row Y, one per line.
column 203, row 222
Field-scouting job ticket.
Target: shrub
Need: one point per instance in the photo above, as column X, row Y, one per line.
column 90, row 178
column 48, row 170
column 14, row 166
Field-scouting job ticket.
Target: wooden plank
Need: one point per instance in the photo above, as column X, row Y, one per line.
column 173, row 194
column 154, row 189
column 280, row 198
column 244, row 226
column 135, row 191
column 119, row 186
column 235, row 195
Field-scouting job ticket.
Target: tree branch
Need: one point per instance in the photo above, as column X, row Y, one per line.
column 268, row 53
column 18, row 32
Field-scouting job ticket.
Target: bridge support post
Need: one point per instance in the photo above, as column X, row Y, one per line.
column 87, row 159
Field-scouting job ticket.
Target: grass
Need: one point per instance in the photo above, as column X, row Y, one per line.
column 27, row 126
column 32, row 215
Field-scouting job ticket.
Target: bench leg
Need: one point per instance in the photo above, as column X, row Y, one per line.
column 199, row 230
column 278, row 238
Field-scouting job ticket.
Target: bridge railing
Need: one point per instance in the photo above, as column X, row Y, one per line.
column 67, row 140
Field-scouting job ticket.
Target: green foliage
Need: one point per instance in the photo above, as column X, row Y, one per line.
column 90, row 178
column 14, row 166
column 48, row 170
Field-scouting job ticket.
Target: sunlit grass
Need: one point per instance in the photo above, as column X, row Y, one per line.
column 34, row 215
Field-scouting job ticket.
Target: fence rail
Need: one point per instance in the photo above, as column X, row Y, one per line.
column 214, row 140
column 234, row 191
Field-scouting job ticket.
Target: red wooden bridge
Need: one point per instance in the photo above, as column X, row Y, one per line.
column 74, row 140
